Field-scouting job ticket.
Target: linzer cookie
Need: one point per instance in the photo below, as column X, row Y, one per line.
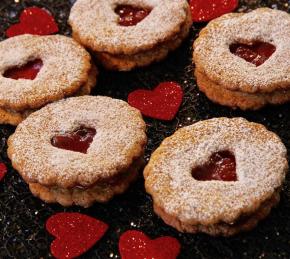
column 79, row 150
column 243, row 60
column 219, row 176
column 128, row 34
column 37, row 70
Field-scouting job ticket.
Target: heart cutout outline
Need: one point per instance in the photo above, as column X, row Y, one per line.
column 221, row 166
column 78, row 140
column 256, row 53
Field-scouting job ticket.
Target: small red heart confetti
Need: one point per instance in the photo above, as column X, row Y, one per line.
column 136, row 245
column 162, row 103
column 33, row 20
column 206, row 10
column 3, row 171
column 74, row 233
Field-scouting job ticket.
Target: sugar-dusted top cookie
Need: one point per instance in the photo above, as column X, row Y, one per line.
column 218, row 176
column 64, row 69
column 125, row 34
column 218, row 57
column 117, row 139
column 96, row 24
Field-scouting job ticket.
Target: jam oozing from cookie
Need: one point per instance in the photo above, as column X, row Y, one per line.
column 28, row 71
column 256, row 53
column 78, row 140
column 221, row 166
column 130, row 15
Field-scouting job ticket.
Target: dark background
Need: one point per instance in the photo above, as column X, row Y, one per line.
column 22, row 217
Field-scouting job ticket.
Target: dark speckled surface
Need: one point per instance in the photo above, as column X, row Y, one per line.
column 22, row 217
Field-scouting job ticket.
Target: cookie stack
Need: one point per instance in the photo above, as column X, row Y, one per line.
column 129, row 35
column 79, row 150
column 37, row 70
column 243, row 60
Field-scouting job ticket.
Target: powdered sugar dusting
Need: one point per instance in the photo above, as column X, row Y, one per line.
column 119, row 140
column 261, row 165
column 213, row 57
column 65, row 69
column 96, row 24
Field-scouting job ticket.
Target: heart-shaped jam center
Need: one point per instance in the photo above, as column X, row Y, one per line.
column 256, row 53
column 78, row 140
column 28, row 71
column 130, row 15
column 221, row 166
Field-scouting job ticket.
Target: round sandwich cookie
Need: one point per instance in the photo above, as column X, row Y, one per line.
column 243, row 60
column 124, row 34
column 79, row 150
column 37, row 70
column 219, row 176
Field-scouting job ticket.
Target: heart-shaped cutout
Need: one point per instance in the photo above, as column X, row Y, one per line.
column 77, row 141
column 206, row 10
column 136, row 245
column 3, row 171
column 221, row 167
column 74, row 233
column 33, row 20
column 130, row 15
column 28, row 71
column 256, row 53
column 162, row 103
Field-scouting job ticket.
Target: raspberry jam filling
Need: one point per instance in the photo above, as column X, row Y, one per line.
column 221, row 166
column 28, row 71
column 256, row 53
column 78, row 140
column 130, row 15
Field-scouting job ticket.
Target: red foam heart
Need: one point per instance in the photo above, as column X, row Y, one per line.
column 161, row 103
column 206, row 10
column 33, row 20
column 136, row 245
column 75, row 233
column 3, row 171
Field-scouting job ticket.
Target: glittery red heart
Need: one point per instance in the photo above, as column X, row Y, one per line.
column 3, row 171
column 33, row 20
column 206, row 10
column 75, row 233
column 161, row 103
column 136, row 245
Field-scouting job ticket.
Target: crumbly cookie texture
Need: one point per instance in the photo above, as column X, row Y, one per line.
column 119, row 141
column 14, row 118
column 124, row 48
column 128, row 62
column 236, row 99
column 213, row 58
column 204, row 206
column 66, row 68
column 85, row 197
